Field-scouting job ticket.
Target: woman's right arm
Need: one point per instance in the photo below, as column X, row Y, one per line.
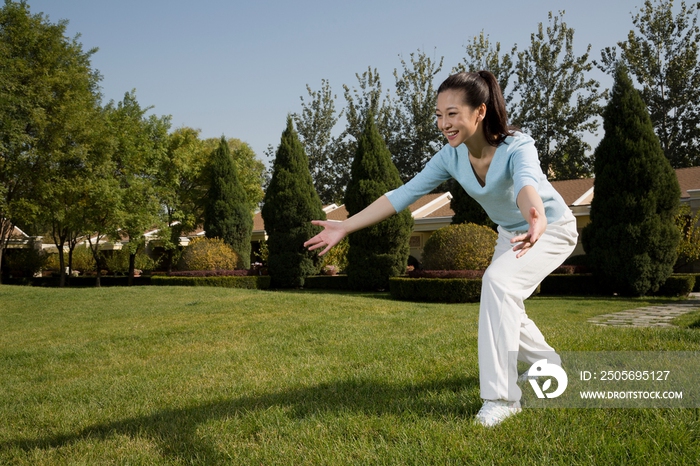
column 334, row 231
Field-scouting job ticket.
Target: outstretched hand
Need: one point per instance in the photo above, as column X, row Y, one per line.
column 538, row 224
column 333, row 232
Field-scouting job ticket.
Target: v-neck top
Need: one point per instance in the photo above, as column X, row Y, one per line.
column 514, row 166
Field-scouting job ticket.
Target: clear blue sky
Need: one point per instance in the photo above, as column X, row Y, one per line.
column 237, row 67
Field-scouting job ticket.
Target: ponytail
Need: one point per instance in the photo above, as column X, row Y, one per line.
column 482, row 88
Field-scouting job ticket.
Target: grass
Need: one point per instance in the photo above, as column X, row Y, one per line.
column 176, row 375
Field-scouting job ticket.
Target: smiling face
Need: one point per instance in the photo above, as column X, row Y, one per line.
column 460, row 123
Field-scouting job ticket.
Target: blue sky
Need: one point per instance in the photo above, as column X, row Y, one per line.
column 239, row 67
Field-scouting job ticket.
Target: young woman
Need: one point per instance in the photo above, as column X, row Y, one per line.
column 499, row 168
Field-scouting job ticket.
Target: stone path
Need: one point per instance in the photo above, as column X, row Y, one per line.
column 650, row 316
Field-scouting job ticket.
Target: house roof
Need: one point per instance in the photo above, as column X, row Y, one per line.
column 688, row 178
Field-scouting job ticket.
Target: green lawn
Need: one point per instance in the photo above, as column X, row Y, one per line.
column 161, row 375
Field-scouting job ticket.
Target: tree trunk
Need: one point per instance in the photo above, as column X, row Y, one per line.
column 132, row 266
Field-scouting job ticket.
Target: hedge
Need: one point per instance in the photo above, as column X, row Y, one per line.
column 677, row 285
column 251, row 282
column 327, row 282
column 570, row 285
column 445, row 290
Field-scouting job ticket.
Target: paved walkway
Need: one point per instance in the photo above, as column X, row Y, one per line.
column 650, row 316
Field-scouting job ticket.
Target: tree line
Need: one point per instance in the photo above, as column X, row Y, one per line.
column 548, row 90
column 75, row 168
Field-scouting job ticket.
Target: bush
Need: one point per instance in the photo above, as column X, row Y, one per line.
column 208, row 254
column 250, row 282
column 337, row 256
column 118, row 262
column 570, row 285
column 446, row 273
column 438, row 290
column 677, row 285
column 465, row 246
column 327, row 282
column 211, row 273
column 23, row 262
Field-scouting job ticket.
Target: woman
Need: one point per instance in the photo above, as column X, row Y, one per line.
column 499, row 168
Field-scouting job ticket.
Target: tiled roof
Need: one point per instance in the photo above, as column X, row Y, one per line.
column 572, row 190
column 688, row 178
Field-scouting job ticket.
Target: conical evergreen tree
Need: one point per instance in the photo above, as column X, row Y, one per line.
column 290, row 203
column 380, row 251
column 631, row 241
column 226, row 212
column 466, row 209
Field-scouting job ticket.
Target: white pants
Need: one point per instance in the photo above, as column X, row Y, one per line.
column 505, row 330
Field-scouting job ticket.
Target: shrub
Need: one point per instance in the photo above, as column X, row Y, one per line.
column 570, row 285
column 438, row 290
column 251, row 282
column 327, row 282
column 118, row 262
column 677, row 285
column 446, row 274
column 337, row 256
column 208, row 254
column 23, row 262
column 465, row 246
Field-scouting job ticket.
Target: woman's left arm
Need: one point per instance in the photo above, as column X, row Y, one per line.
column 532, row 208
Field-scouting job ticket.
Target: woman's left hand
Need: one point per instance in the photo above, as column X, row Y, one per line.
column 538, row 224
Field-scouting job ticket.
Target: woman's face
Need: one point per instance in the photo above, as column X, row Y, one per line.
column 459, row 122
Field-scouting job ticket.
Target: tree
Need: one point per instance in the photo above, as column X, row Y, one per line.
column 139, row 145
column 48, row 98
column 417, row 137
column 250, row 169
column 632, row 239
column 482, row 55
column 315, row 126
column 181, row 185
column 557, row 104
column 290, row 204
column 466, row 209
column 380, row 251
column 227, row 213
column 663, row 57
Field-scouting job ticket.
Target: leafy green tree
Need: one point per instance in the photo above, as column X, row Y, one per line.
column 290, row 203
column 380, row 251
column 663, row 57
column 48, row 98
column 139, row 145
column 557, row 105
column 632, row 239
column 416, row 137
column 181, row 185
column 227, row 213
column 315, row 125
column 482, row 55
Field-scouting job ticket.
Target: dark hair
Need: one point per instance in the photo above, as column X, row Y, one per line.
column 481, row 87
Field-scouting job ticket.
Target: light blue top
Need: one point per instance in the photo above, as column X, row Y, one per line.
column 514, row 166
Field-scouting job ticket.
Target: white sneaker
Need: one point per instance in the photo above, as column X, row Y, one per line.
column 496, row 411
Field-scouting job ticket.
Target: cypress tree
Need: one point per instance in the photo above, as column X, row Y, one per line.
column 290, row 203
column 466, row 209
column 380, row 251
column 632, row 239
column 226, row 212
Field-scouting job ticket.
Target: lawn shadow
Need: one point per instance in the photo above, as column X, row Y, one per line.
column 174, row 430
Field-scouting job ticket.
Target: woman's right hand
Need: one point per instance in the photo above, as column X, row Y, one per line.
column 333, row 232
